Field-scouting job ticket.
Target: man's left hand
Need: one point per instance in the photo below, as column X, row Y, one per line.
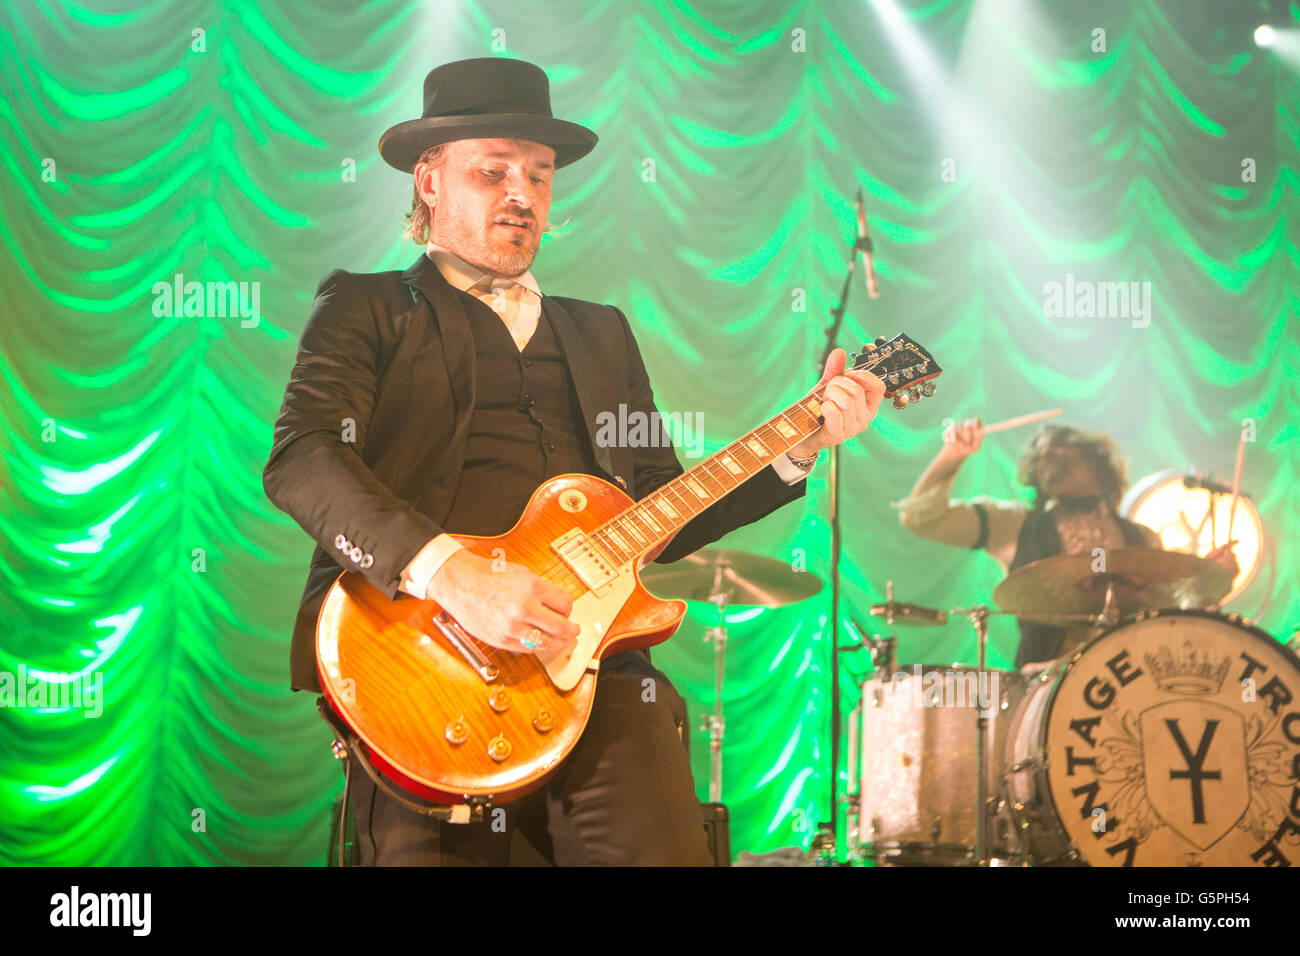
column 849, row 404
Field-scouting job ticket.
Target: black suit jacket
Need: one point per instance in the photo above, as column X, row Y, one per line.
column 370, row 441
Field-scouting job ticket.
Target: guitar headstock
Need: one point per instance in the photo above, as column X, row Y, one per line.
column 907, row 370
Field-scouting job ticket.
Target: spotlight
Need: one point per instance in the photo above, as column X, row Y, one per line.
column 1264, row 35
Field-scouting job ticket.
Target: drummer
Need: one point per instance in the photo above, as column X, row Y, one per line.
column 1078, row 478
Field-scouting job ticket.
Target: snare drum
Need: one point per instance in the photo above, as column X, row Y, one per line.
column 916, row 734
column 1169, row 740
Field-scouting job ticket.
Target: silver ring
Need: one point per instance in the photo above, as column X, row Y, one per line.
column 532, row 641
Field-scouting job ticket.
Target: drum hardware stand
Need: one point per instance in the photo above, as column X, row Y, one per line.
column 822, row 850
column 979, row 618
column 883, row 651
column 882, row 655
column 716, row 723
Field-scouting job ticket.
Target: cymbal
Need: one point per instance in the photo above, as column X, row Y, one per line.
column 1055, row 588
column 744, row 578
column 909, row 615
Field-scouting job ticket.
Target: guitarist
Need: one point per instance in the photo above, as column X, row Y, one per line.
column 436, row 400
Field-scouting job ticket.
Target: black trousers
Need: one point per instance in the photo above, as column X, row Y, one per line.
column 624, row 796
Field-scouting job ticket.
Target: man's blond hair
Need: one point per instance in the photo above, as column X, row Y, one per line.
column 418, row 220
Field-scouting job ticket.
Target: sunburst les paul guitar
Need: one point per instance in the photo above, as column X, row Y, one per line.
column 456, row 720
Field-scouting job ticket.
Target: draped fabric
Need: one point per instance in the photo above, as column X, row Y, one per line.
column 1002, row 147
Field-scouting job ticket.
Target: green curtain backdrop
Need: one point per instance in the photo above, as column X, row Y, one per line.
column 1009, row 146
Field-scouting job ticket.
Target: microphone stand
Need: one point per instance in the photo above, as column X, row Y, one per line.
column 863, row 244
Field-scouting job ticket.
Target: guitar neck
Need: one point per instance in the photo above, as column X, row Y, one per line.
column 905, row 367
column 661, row 514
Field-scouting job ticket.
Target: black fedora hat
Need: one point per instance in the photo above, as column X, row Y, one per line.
column 485, row 98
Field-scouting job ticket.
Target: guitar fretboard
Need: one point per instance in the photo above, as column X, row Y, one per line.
column 663, row 512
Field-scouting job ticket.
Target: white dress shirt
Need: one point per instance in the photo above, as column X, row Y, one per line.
column 519, row 303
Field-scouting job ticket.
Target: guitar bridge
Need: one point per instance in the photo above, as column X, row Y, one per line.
column 459, row 639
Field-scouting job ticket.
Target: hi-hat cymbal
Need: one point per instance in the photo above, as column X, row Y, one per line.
column 744, row 578
column 1052, row 589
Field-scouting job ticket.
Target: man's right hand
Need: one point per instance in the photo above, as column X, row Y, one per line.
column 503, row 604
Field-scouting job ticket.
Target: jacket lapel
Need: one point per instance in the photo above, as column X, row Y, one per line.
column 453, row 327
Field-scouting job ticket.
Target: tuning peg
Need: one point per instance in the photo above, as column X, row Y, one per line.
column 901, row 400
column 867, row 348
column 914, row 393
column 881, row 340
column 928, row 389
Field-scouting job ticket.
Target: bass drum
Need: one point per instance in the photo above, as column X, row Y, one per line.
column 1169, row 740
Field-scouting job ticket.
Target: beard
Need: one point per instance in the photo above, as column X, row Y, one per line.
column 509, row 258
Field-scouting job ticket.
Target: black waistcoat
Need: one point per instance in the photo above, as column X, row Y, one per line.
column 1039, row 538
column 526, row 427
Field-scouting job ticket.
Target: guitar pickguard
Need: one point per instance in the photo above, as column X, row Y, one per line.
column 594, row 615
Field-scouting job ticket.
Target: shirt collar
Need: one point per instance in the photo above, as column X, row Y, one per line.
column 461, row 275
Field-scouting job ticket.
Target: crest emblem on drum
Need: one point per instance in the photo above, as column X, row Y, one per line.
column 1196, row 768
column 1189, row 670
column 1173, row 739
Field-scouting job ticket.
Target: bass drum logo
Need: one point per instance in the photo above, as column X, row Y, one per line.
column 1175, row 741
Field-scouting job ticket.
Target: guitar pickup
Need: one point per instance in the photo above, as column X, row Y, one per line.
column 589, row 563
column 459, row 639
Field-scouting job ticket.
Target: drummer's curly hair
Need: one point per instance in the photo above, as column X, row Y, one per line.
column 1097, row 448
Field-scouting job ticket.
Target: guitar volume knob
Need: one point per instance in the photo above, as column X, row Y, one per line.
column 499, row 700
column 457, row 732
column 543, row 721
column 498, row 748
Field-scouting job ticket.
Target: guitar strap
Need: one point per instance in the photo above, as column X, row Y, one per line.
column 348, row 746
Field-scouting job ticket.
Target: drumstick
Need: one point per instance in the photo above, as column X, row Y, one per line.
column 1236, row 482
column 1022, row 420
